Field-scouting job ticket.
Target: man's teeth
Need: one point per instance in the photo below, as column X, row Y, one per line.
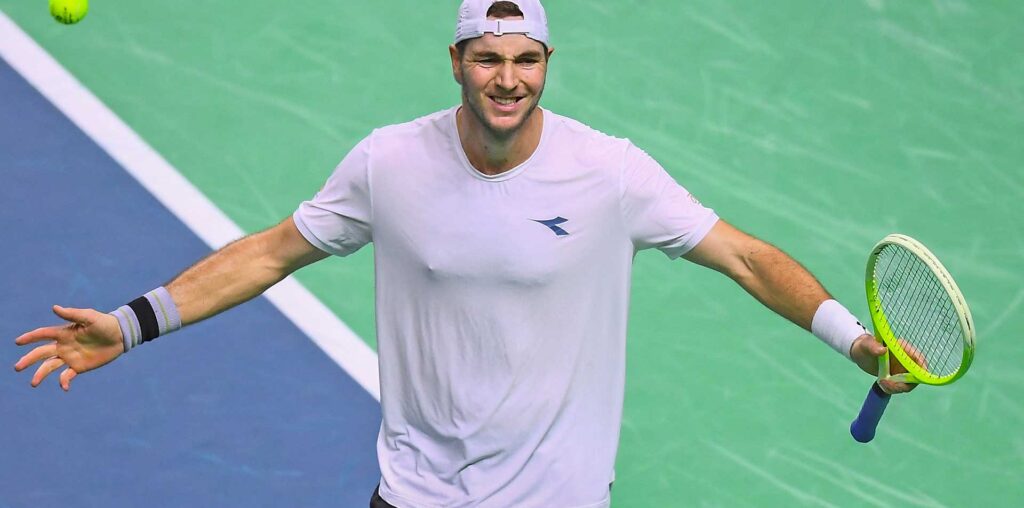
column 505, row 101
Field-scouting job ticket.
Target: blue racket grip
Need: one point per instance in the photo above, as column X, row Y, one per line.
column 863, row 428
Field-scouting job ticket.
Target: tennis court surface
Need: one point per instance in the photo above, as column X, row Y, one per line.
column 820, row 127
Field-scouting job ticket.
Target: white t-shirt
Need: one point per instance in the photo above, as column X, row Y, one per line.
column 501, row 304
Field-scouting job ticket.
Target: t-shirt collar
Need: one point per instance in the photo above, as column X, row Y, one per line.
column 505, row 175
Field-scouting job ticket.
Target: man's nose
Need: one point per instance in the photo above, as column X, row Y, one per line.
column 507, row 78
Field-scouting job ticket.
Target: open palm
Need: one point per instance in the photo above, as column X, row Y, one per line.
column 90, row 340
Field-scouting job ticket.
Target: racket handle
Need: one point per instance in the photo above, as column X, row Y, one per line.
column 863, row 428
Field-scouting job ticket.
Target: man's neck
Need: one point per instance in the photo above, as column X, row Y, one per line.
column 492, row 155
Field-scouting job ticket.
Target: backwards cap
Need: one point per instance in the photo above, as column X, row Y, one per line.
column 473, row 21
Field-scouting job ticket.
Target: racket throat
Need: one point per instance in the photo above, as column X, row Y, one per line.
column 883, row 372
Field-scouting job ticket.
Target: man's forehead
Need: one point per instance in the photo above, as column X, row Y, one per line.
column 507, row 44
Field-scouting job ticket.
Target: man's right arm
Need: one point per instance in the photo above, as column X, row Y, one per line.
column 240, row 271
column 230, row 276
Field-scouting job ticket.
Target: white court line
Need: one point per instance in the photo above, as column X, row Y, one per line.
column 179, row 196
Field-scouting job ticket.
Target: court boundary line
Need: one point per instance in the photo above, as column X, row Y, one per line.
column 186, row 202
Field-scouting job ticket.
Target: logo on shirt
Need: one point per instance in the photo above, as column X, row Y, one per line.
column 553, row 224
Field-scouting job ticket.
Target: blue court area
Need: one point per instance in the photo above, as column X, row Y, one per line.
column 240, row 410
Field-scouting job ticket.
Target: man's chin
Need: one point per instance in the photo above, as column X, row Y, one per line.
column 505, row 126
column 508, row 125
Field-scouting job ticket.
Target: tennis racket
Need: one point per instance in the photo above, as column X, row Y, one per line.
column 921, row 317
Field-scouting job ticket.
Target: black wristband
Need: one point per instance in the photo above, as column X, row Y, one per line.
column 147, row 319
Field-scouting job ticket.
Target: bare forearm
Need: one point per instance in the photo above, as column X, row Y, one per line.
column 228, row 277
column 780, row 283
column 240, row 271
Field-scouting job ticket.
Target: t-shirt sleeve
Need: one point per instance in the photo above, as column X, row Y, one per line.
column 338, row 218
column 658, row 212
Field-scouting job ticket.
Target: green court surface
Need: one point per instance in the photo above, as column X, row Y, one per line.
column 819, row 126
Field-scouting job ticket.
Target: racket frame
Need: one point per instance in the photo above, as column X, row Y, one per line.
column 883, row 332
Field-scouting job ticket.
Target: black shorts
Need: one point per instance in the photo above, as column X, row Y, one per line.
column 377, row 502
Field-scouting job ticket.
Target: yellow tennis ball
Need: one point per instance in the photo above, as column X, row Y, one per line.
column 69, row 11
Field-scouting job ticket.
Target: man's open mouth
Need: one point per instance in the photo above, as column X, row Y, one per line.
column 506, row 101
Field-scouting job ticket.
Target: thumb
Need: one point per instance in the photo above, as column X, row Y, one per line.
column 78, row 316
column 869, row 344
column 876, row 348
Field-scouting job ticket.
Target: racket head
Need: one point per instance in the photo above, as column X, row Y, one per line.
column 911, row 296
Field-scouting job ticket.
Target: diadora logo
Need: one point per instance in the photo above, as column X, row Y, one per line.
column 553, row 224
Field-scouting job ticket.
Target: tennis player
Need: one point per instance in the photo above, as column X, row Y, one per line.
column 504, row 239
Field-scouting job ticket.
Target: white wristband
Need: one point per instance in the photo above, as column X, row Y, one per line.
column 836, row 326
column 147, row 317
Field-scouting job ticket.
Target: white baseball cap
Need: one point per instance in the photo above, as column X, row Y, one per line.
column 473, row 21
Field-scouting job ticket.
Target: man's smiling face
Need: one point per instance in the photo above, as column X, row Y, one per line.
column 502, row 80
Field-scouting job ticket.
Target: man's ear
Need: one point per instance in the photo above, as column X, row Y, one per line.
column 453, row 52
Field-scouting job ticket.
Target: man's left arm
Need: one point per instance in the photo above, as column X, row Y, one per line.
column 781, row 284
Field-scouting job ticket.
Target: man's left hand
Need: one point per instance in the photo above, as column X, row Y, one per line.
column 865, row 352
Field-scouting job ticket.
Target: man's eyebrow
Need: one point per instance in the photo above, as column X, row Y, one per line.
column 530, row 54
column 534, row 54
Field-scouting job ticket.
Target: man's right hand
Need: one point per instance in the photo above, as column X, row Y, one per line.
column 90, row 340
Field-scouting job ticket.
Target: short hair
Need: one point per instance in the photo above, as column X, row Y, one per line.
column 504, row 9
column 501, row 10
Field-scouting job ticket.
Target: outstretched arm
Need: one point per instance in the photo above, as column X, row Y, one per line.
column 232, row 275
column 781, row 284
column 240, row 271
column 768, row 274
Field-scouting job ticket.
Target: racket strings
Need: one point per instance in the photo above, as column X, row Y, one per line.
column 906, row 305
column 911, row 317
column 922, row 312
column 898, row 307
column 918, row 310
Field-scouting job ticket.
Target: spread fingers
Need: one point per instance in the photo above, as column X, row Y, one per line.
column 35, row 355
column 51, row 364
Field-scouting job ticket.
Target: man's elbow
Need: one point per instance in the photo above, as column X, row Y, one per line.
column 751, row 260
